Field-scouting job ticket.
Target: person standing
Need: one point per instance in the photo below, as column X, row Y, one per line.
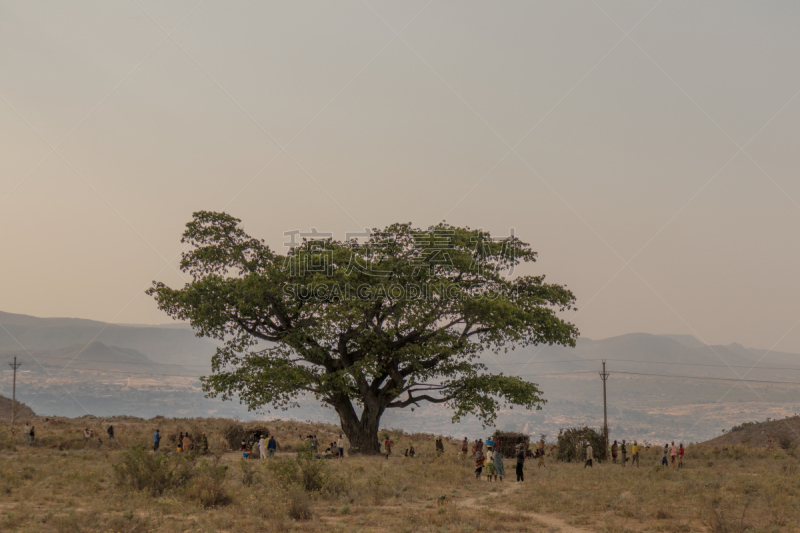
column 86, row 436
column 262, row 448
column 490, row 470
column 204, row 443
column 156, row 440
column 480, row 460
column 499, row 469
column 479, row 446
column 635, row 454
column 33, row 435
column 664, row 453
column 439, row 446
column 680, row 456
column 187, row 442
column 465, row 447
column 624, row 450
column 541, row 454
column 614, row 449
column 388, row 445
column 271, row 446
column 27, row 432
column 589, row 457
column 180, row 442
column 520, row 463
column 673, row 452
column 340, row 444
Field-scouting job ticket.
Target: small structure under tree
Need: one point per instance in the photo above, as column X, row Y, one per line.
column 506, row 442
column 571, row 444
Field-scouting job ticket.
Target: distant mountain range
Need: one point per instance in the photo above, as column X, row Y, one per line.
column 661, row 385
column 174, row 344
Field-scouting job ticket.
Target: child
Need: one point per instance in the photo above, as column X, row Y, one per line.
column 480, row 460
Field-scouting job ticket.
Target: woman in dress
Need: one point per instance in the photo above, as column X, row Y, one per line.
column 497, row 462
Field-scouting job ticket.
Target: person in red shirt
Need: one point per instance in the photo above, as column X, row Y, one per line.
column 388, row 446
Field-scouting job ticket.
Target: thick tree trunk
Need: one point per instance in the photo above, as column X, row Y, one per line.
column 363, row 432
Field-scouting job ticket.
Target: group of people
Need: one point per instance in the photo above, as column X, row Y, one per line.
column 617, row 449
column 674, row 452
column 492, row 460
column 335, row 449
column 185, row 443
column 30, row 434
column 88, row 434
column 266, row 448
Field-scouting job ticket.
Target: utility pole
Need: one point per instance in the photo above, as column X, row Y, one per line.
column 15, row 366
column 604, row 377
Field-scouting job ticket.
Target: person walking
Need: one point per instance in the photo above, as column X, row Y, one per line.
column 33, row 435
column 635, row 454
column 589, row 457
column 262, row 448
column 479, row 445
column 27, row 432
column 673, row 452
column 272, row 445
column 465, row 447
column 520, row 463
column 664, row 453
column 499, row 469
column 156, row 440
column 680, row 455
column 614, row 450
column 187, row 442
column 180, row 442
column 624, row 451
column 541, row 454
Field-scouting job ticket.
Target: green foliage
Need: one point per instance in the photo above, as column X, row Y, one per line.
column 389, row 323
column 139, row 469
column 571, row 444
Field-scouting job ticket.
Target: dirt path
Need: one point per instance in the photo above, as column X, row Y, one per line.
column 550, row 521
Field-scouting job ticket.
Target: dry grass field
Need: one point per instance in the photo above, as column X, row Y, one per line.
column 61, row 484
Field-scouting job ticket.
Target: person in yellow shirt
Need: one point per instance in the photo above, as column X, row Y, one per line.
column 635, row 454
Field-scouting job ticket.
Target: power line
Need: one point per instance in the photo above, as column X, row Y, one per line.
column 649, row 362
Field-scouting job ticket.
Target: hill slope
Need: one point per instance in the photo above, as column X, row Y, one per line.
column 778, row 433
column 22, row 410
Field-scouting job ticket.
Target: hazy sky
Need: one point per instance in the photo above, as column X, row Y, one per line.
column 656, row 174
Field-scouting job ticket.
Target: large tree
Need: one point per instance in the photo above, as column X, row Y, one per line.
column 391, row 320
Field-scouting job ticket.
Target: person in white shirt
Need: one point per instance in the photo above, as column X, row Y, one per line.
column 340, row 445
column 262, row 447
column 27, row 434
column 589, row 456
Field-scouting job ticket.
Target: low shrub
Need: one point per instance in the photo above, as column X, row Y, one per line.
column 139, row 469
column 208, row 486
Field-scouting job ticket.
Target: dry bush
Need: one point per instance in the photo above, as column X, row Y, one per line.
column 139, row 469
column 208, row 486
column 724, row 519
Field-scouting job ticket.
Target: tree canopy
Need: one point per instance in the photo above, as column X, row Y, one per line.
column 386, row 319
